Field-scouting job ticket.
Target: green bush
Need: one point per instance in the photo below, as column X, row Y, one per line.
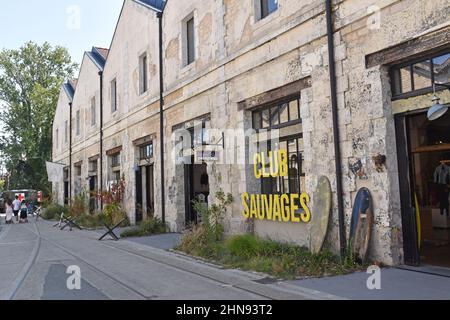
column 147, row 228
column 245, row 246
column 213, row 215
column 91, row 221
column 248, row 252
column 79, row 205
column 113, row 214
column 53, row 211
column 200, row 242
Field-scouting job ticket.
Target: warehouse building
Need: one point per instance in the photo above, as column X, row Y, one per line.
column 344, row 85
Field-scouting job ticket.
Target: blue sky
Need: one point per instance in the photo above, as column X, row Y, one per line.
column 75, row 24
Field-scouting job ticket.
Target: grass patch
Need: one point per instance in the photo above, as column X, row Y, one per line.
column 53, row 212
column 147, row 228
column 279, row 260
column 91, row 221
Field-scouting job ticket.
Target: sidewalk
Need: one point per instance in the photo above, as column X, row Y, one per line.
column 166, row 241
column 35, row 259
column 425, row 283
column 396, row 284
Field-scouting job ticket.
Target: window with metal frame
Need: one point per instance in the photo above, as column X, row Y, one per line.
column 57, row 139
column 93, row 166
column 66, row 131
column 78, row 118
column 114, row 95
column 294, row 182
column 78, row 170
column 115, row 160
column 143, row 70
column 418, row 77
column 146, row 152
column 285, row 117
column 277, row 115
column 93, row 112
column 190, row 41
column 268, row 7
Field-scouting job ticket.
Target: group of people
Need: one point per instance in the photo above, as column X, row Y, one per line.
column 17, row 210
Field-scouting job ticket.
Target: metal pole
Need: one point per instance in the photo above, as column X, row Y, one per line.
column 101, row 139
column 70, row 154
column 161, row 117
column 337, row 149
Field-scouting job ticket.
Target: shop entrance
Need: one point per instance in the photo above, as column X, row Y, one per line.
column 196, row 179
column 196, row 189
column 424, row 168
column 145, row 193
column 93, row 187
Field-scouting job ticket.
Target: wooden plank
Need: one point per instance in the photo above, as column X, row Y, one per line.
column 431, row 43
column 145, row 140
column 94, row 158
column 114, row 151
column 435, row 148
column 274, row 95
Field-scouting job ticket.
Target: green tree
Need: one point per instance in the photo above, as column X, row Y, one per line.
column 30, row 81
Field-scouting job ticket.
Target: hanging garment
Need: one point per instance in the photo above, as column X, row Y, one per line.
column 442, row 179
column 442, row 174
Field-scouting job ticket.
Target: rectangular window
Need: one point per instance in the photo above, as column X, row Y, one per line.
column 268, row 7
column 115, row 160
column 66, row 174
column 422, row 75
column 78, row 170
column 117, row 176
column 114, row 95
column 57, row 138
column 441, row 68
column 93, row 166
column 66, row 131
column 190, row 41
column 284, row 116
column 146, row 152
column 93, row 112
column 417, row 77
column 78, row 123
column 143, row 74
column 279, row 115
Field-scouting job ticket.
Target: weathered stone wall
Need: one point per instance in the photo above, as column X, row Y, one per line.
column 61, row 149
column 86, row 144
column 259, row 56
column 239, row 57
column 136, row 35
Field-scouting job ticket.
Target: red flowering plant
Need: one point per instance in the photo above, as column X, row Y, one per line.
column 113, row 202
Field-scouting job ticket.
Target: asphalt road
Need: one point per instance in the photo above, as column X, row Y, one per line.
column 35, row 257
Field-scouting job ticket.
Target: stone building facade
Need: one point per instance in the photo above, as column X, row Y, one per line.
column 227, row 62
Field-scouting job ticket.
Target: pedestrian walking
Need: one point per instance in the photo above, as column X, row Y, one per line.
column 9, row 212
column 23, row 213
column 17, row 204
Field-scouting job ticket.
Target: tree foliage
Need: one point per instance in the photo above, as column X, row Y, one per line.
column 30, row 81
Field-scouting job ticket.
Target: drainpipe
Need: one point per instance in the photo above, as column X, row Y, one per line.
column 337, row 149
column 101, row 138
column 161, row 116
column 70, row 154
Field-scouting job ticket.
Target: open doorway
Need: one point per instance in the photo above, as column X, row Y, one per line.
column 197, row 189
column 196, row 179
column 145, row 193
column 428, row 145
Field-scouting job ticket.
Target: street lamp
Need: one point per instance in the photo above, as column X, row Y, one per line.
column 438, row 109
